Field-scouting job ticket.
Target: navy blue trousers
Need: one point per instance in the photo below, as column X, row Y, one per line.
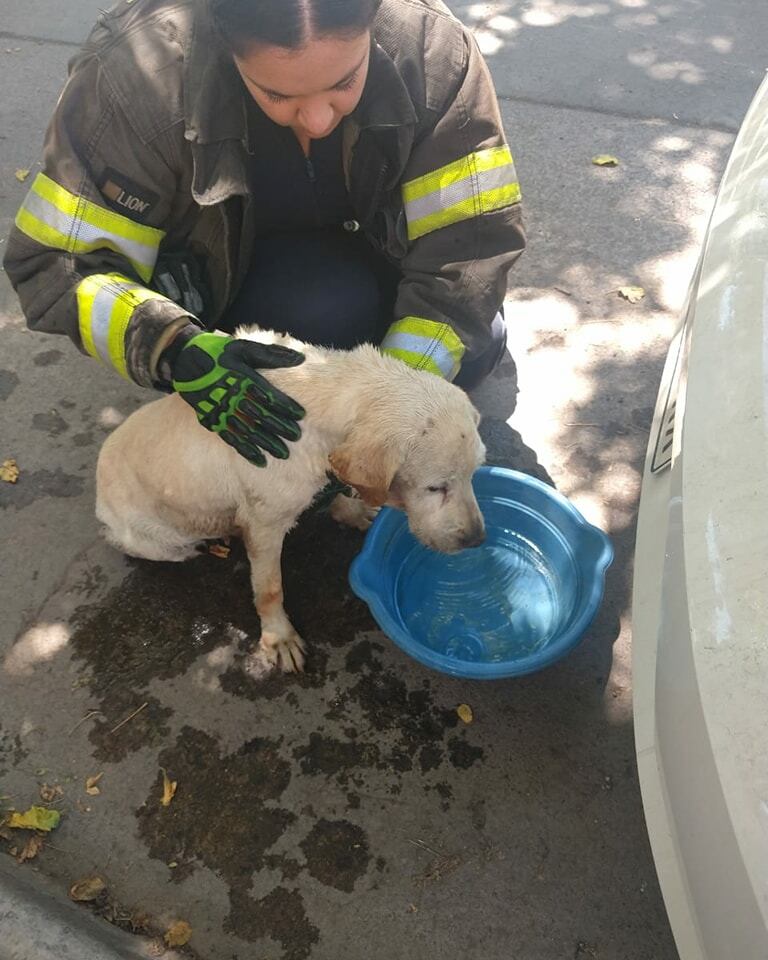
column 332, row 289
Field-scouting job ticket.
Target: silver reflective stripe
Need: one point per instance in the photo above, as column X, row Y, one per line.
column 464, row 189
column 101, row 314
column 423, row 346
column 80, row 231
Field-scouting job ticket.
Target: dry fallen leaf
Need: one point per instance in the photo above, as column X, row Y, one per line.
column 90, row 785
column 36, row 818
column 178, row 934
column 465, row 712
column 87, row 889
column 21, row 175
column 219, row 550
column 169, row 790
column 31, row 848
column 633, row 294
column 605, row 160
column 48, row 794
column 139, row 922
column 9, row 471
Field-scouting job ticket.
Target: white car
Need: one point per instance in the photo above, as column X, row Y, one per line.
column 700, row 609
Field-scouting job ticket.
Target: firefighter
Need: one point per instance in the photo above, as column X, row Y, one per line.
column 334, row 169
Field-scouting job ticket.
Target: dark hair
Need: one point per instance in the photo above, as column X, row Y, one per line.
column 289, row 23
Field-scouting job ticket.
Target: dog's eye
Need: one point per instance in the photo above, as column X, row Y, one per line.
column 442, row 489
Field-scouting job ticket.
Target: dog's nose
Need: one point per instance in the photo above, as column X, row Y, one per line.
column 474, row 537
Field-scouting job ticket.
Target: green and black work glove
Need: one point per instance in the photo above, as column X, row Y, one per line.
column 218, row 376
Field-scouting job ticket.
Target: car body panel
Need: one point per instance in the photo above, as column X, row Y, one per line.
column 700, row 605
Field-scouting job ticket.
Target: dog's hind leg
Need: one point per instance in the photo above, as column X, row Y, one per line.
column 144, row 538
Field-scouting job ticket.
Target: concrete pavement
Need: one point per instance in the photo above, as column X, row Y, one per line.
column 349, row 812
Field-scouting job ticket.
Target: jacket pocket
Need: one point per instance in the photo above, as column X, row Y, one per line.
column 389, row 232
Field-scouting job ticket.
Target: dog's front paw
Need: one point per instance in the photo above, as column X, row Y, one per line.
column 353, row 512
column 284, row 650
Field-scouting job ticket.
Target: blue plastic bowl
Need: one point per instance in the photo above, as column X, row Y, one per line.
column 515, row 605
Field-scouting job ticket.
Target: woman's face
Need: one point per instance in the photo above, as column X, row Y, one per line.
column 312, row 89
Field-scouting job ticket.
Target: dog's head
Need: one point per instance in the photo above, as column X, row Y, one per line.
column 419, row 455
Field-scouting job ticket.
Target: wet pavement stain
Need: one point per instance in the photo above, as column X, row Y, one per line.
column 8, row 383
column 34, row 485
column 206, row 820
column 415, row 724
column 91, row 580
column 226, row 815
column 165, row 615
column 404, row 730
column 290, row 869
column 444, row 790
column 463, row 754
column 280, row 915
column 12, row 752
column 51, row 423
column 430, row 757
column 154, row 625
column 47, row 357
column 161, row 618
column 330, row 757
column 113, row 738
column 337, row 853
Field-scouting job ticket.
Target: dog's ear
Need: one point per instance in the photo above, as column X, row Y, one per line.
column 368, row 464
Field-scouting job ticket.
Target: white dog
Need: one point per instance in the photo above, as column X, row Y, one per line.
column 399, row 436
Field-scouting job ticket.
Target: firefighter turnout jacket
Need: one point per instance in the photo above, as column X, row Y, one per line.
column 148, row 152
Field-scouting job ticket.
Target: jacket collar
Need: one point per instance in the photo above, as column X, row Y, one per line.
column 213, row 92
column 214, row 114
column 385, row 101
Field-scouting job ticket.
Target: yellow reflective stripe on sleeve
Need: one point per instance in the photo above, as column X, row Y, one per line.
column 57, row 218
column 484, row 202
column 458, row 170
column 105, row 304
column 478, row 183
column 425, row 345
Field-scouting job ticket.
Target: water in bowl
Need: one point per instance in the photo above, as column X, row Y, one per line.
column 490, row 604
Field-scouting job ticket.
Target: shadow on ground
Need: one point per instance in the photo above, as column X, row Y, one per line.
column 633, row 58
